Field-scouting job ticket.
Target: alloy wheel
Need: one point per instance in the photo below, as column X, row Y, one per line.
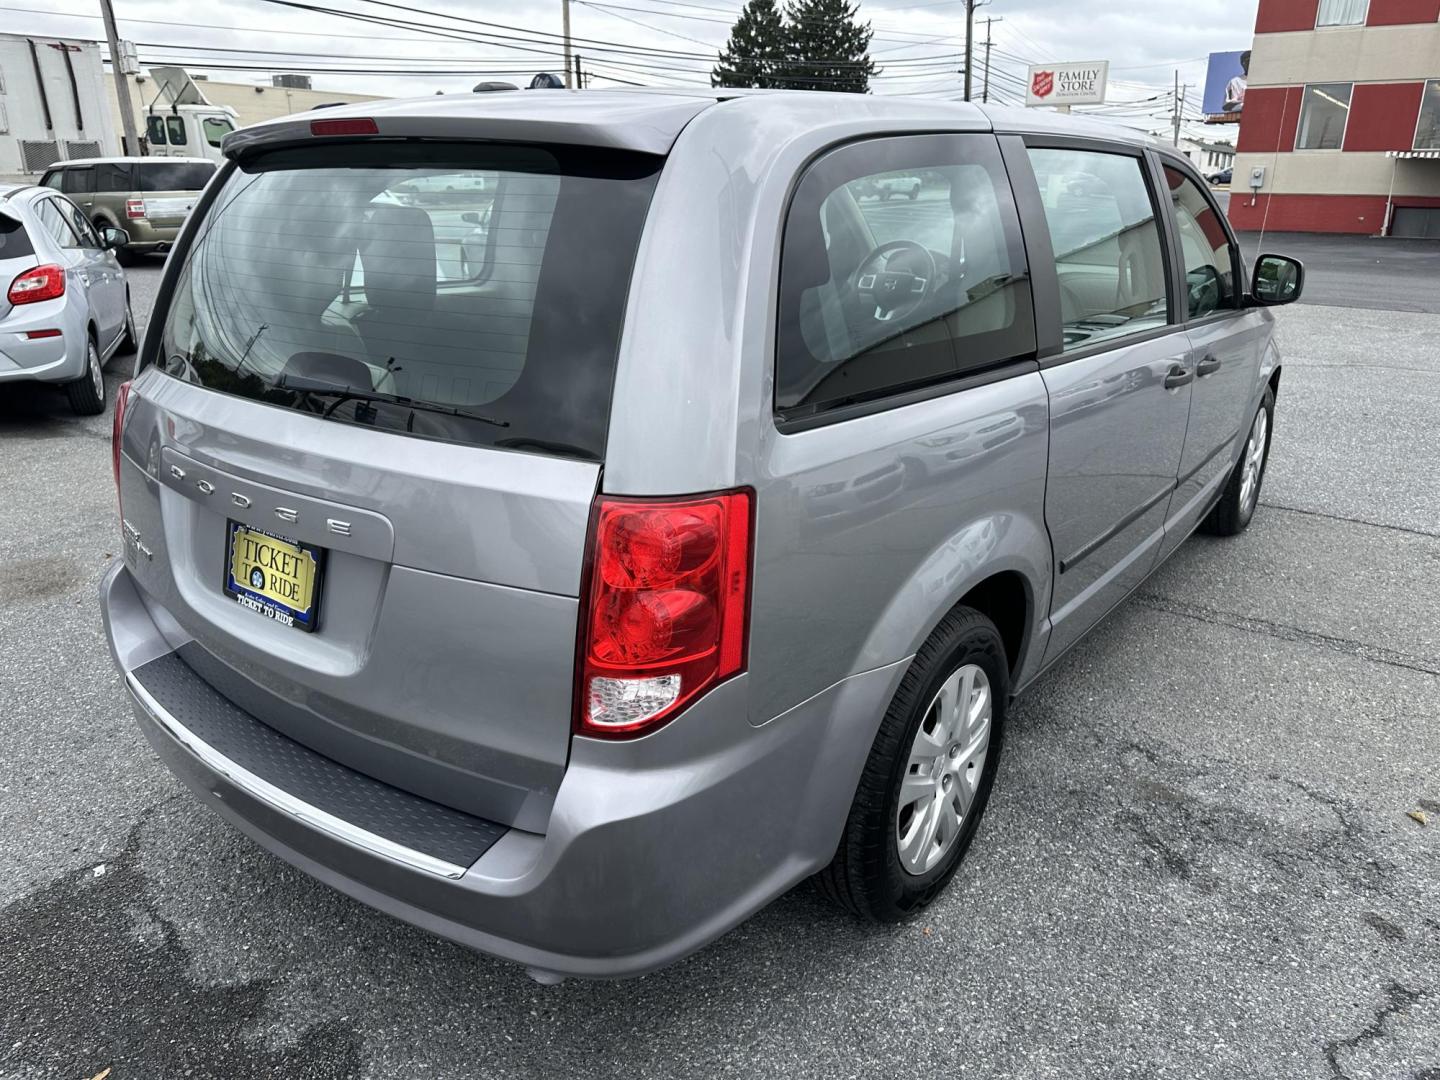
column 942, row 774
column 97, row 377
column 1252, row 463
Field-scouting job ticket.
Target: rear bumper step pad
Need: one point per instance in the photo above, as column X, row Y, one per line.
column 332, row 798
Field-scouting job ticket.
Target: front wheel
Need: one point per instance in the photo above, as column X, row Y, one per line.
column 1232, row 514
column 928, row 778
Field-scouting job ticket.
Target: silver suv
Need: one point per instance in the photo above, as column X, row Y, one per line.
column 576, row 599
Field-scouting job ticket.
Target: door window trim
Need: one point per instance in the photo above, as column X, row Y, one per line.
column 1036, row 230
column 1183, row 166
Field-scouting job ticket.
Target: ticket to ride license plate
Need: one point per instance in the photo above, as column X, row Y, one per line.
column 274, row 576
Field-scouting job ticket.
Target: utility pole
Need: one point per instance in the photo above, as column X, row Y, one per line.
column 579, row 74
column 969, row 44
column 122, row 81
column 985, row 92
column 565, row 26
column 1175, row 120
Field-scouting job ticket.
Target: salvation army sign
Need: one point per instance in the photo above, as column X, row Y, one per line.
column 1067, row 84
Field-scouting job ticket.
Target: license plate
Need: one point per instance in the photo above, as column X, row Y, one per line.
column 274, row 576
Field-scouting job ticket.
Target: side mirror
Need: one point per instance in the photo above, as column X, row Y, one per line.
column 470, row 217
column 112, row 238
column 1278, row 279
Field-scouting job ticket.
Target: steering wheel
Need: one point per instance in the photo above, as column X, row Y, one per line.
column 1203, row 286
column 895, row 279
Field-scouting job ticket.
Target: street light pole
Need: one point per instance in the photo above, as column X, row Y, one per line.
column 122, row 81
column 565, row 20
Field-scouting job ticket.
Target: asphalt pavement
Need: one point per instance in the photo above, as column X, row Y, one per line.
column 1198, row 859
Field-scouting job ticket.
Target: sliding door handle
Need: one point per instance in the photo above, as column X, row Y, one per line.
column 1208, row 366
column 1179, row 376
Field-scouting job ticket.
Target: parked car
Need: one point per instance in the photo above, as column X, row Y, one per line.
column 66, row 308
column 577, row 607
column 1222, row 176
column 883, row 187
column 149, row 198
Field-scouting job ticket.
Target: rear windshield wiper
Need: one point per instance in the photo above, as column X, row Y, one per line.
column 342, row 394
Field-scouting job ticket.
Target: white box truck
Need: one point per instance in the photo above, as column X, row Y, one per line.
column 53, row 104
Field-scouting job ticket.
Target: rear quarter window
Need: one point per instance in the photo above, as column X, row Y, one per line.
column 471, row 293
column 14, row 241
column 173, row 175
column 901, row 268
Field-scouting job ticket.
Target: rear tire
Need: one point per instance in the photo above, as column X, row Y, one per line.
column 131, row 341
column 1233, row 513
column 87, row 393
column 871, row 875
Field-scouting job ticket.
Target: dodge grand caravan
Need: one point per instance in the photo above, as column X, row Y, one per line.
column 576, row 599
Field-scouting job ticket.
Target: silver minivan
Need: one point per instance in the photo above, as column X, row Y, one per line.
column 691, row 535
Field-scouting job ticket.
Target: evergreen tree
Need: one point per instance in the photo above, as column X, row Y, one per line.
column 829, row 48
column 756, row 50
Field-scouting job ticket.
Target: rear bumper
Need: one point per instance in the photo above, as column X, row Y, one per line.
column 145, row 236
column 654, row 847
column 47, row 359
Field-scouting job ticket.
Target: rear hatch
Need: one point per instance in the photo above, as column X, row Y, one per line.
column 359, row 466
column 170, row 189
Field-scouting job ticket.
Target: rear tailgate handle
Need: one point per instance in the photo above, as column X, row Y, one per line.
column 1208, row 366
column 1179, row 376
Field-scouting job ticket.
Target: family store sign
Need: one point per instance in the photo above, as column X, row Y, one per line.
column 1067, row 84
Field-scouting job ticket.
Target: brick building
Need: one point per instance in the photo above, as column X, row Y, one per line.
column 1343, row 113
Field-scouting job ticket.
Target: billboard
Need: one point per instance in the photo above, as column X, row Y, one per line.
column 1225, row 81
column 1067, row 84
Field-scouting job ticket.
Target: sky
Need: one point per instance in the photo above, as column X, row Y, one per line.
column 918, row 43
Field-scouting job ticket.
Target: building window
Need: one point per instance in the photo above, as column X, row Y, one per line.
column 1323, row 113
column 1341, row 12
column 1427, row 131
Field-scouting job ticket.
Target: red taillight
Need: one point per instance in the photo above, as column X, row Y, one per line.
column 42, row 283
column 122, row 398
column 34, row 335
column 358, row 126
column 134, row 208
column 665, row 609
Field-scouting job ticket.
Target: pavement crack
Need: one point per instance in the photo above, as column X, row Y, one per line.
column 1397, row 1000
column 1352, row 520
column 1284, row 632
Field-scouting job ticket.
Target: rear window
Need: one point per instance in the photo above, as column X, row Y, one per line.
column 173, row 175
column 470, row 293
column 14, row 241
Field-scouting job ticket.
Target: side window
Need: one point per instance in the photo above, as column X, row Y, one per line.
column 175, row 130
column 155, row 130
column 901, row 267
column 1324, row 112
column 114, row 178
column 77, row 222
column 1106, row 238
column 78, row 181
column 1204, row 247
column 52, row 218
column 53, row 179
column 216, row 129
